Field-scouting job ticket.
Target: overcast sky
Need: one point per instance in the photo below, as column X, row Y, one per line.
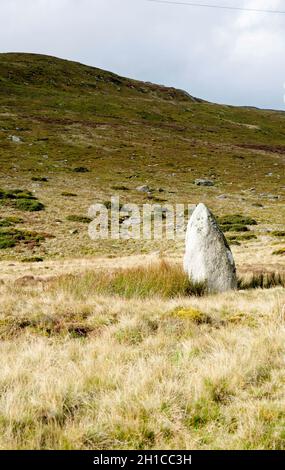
column 224, row 56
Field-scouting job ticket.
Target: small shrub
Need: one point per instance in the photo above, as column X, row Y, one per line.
column 79, row 218
column 120, row 188
column 33, row 259
column 108, row 205
column 5, row 223
column 201, row 412
column 40, row 179
column 235, row 223
column 234, row 228
column 236, row 219
column 80, row 169
column 243, row 237
column 10, row 221
column 23, row 195
column 219, row 391
column 6, row 242
column 16, row 194
column 192, row 314
column 15, row 220
column 67, row 194
column 279, row 252
column 233, row 242
column 131, row 335
column 278, row 233
column 28, row 205
column 12, row 237
column 21, row 200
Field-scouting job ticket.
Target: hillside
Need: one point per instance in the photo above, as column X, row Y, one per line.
column 109, row 344
column 57, row 116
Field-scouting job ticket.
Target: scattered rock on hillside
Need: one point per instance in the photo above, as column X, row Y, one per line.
column 222, row 196
column 204, row 182
column 15, row 139
column 208, row 258
column 143, row 189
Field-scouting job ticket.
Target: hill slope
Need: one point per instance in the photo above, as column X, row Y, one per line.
column 57, row 116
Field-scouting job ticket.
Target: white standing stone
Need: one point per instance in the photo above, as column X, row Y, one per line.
column 208, row 257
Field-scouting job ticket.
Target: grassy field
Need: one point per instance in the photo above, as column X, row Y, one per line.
column 145, row 368
column 106, row 344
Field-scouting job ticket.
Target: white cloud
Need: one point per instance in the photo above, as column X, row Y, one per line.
column 220, row 55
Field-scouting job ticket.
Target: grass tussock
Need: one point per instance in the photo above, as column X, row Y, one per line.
column 279, row 233
column 262, row 281
column 162, row 279
column 280, row 252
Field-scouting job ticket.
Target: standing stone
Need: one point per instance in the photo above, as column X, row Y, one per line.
column 208, row 257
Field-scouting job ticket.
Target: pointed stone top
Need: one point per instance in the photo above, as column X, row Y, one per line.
column 203, row 219
column 201, row 209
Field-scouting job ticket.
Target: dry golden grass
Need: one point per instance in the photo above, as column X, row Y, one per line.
column 82, row 370
column 124, row 357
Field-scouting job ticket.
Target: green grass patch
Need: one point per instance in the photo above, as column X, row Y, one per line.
column 161, row 279
column 20, row 200
column 10, row 221
column 242, row 238
column 236, row 219
column 12, row 237
column 28, row 205
column 16, row 194
column 234, row 228
column 235, row 223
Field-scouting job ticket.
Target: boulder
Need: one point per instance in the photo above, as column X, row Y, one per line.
column 208, row 258
column 143, row 189
column 15, row 139
column 204, row 182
